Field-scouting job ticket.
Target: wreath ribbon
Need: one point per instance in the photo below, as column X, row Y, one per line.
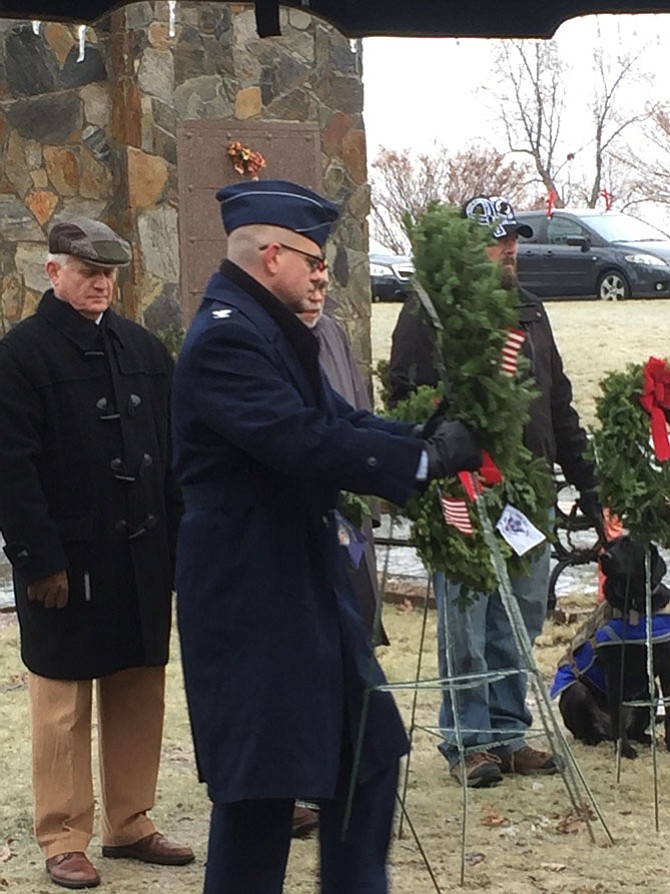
column 487, row 474
column 655, row 400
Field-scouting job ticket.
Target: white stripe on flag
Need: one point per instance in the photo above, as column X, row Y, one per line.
column 455, row 512
column 510, row 351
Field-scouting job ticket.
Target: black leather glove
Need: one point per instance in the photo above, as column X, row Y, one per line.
column 428, row 428
column 452, row 449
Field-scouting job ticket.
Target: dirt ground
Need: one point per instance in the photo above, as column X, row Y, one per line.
column 521, row 837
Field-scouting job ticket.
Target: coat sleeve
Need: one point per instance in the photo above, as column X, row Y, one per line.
column 32, row 541
column 241, row 391
column 412, row 347
column 570, row 436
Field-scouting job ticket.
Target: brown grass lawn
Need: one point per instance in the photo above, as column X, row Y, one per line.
column 594, row 337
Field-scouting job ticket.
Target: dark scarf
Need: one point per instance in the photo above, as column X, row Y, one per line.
column 303, row 342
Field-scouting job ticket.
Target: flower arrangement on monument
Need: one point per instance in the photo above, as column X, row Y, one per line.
column 479, row 320
column 246, row 161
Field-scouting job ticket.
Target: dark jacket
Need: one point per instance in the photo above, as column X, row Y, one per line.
column 337, row 361
column 86, row 485
column 553, row 430
column 276, row 660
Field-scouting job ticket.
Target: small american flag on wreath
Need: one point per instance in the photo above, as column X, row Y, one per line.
column 510, row 351
column 455, row 512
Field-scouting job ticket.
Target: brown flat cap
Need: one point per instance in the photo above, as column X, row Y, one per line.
column 91, row 240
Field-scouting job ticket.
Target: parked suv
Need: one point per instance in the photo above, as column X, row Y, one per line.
column 390, row 276
column 593, row 254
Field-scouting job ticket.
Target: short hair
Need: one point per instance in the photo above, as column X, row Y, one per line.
column 59, row 258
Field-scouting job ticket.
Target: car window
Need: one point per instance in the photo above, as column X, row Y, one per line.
column 560, row 229
column 625, row 228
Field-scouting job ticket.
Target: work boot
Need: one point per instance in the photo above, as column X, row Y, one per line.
column 480, row 770
column 529, row 761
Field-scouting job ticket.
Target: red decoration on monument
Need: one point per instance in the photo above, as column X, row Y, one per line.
column 655, row 400
column 246, row 161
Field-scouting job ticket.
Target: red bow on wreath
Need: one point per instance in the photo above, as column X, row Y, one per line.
column 656, row 400
column 488, row 473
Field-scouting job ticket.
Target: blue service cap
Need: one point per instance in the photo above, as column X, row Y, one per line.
column 279, row 203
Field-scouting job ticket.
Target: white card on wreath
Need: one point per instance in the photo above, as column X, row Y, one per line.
column 518, row 531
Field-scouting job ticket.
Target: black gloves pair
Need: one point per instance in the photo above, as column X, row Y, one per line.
column 451, row 449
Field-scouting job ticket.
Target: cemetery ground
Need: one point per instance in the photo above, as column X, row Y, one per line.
column 522, row 837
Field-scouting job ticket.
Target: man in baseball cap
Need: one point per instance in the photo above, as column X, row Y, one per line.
column 497, row 212
column 494, row 717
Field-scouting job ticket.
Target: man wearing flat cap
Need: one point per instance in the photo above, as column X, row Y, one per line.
column 89, row 510
column 280, row 677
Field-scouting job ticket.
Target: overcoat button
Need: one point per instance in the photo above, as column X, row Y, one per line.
column 133, row 403
column 147, row 460
column 372, row 462
column 102, row 403
column 121, row 526
column 116, row 465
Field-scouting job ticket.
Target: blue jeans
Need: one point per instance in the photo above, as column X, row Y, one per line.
column 492, row 714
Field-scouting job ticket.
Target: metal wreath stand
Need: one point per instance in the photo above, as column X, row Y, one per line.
column 579, row 793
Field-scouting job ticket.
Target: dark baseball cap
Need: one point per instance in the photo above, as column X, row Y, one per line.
column 90, row 240
column 496, row 211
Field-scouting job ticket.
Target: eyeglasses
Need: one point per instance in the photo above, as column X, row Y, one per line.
column 316, row 262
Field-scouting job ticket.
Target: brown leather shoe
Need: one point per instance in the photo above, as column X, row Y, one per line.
column 305, row 821
column 155, row 848
column 73, row 870
column 527, row 761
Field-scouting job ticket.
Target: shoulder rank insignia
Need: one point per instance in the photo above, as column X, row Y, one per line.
column 221, row 314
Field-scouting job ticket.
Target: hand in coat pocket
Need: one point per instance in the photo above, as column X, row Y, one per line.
column 52, row 591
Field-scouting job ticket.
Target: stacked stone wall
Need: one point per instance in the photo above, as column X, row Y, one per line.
column 99, row 137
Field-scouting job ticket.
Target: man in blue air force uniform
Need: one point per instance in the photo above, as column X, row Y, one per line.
column 276, row 661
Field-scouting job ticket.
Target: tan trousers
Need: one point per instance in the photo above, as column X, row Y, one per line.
column 131, row 706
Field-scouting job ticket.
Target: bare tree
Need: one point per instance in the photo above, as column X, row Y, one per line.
column 649, row 175
column 610, row 118
column 530, row 97
column 531, row 101
column 405, row 183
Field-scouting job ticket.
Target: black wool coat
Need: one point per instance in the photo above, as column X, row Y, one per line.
column 86, row 485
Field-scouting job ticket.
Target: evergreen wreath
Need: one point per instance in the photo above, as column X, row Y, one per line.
column 634, row 482
column 477, row 314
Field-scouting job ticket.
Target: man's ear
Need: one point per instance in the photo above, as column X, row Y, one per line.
column 270, row 257
column 51, row 269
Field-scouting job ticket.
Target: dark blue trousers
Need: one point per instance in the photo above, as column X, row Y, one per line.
column 249, row 841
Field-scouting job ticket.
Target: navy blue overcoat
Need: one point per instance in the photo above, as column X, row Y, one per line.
column 275, row 657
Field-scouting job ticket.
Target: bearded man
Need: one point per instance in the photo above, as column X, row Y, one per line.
column 494, row 718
